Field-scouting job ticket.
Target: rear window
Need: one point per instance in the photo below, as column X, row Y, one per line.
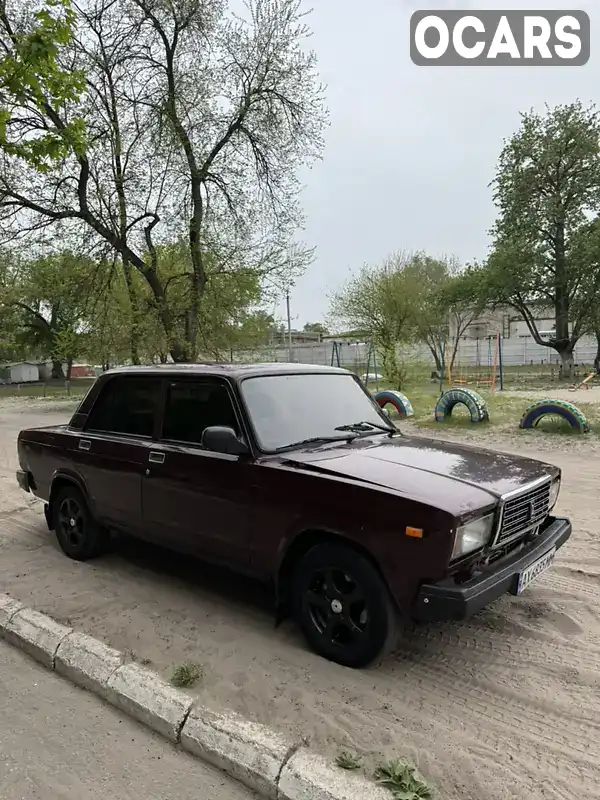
column 127, row 406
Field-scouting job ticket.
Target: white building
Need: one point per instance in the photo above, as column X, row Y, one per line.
column 22, row 372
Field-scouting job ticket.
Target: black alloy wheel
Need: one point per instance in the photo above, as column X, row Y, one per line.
column 343, row 606
column 78, row 534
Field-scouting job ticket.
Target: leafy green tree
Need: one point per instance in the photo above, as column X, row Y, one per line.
column 230, row 317
column 9, row 318
column 316, row 327
column 441, row 300
column 33, row 79
column 546, row 188
column 56, row 295
column 379, row 303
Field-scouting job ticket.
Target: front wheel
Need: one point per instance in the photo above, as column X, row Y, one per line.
column 343, row 606
column 79, row 535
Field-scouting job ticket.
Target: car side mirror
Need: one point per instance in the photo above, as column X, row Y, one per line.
column 221, row 439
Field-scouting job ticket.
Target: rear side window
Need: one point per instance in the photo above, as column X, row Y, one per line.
column 193, row 406
column 126, row 405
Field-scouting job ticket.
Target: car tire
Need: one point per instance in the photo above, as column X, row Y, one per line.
column 343, row 606
column 79, row 535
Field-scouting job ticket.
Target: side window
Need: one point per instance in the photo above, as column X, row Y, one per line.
column 193, row 406
column 126, row 405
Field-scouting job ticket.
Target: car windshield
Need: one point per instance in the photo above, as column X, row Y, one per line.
column 291, row 409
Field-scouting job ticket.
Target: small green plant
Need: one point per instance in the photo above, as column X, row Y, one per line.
column 402, row 780
column 186, row 676
column 348, row 761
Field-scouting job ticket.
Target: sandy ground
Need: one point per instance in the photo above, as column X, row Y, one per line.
column 591, row 395
column 504, row 706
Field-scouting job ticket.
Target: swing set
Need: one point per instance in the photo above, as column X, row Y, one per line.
column 488, row 375
column 371, row 368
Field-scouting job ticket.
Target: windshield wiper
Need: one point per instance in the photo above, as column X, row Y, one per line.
column 314, row 440
column 364, row 427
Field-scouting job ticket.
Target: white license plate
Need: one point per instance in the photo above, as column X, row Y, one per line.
column 535, row 570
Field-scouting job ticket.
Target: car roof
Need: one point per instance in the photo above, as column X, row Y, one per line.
column 234, row 371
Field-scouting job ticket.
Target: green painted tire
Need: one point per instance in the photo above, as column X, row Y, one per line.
column 474, row 402
column 561, row 408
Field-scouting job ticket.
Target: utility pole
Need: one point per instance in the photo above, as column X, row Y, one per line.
column 289, row 323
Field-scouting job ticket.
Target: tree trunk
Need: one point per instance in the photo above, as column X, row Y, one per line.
column 69, row 369
column 597, row 359
column 134, row 333
column 390, row 366
column 566, row 366
column 561, row 307
column 437, row 358
column 57, row 371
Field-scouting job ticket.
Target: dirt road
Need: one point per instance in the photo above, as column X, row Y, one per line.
column 504, row 706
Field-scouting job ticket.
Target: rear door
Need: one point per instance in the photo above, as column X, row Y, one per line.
column 111, row 452
column 195, row 500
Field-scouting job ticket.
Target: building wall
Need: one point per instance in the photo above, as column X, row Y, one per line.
column 45, row 370
column 24, row 373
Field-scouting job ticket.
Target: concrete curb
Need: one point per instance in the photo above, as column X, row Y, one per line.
column 253, row 754
column 147, row 698
column 8, row 608
column 87, row 662
column 259, row 757
column 308, row 776
column 36, row 634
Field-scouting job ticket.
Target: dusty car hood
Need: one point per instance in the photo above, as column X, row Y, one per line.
column 453, row 477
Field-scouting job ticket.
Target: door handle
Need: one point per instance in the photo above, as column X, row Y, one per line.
column 84, row 444
column 156, row 458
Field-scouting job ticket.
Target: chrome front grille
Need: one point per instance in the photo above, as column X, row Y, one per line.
column 522, row 513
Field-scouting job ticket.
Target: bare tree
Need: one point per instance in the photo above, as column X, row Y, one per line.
column 197, row 122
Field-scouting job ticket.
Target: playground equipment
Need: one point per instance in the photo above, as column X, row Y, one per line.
column 489, row 375
column 585, row 383
column 474, row 402
column 399, row 401
column 353, row 359
column 372, row 363
column 335, row 354
column 554, row 408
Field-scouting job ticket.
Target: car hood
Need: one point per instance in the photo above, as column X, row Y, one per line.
column 456, row 478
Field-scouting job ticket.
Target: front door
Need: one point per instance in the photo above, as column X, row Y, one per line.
column 195, row 500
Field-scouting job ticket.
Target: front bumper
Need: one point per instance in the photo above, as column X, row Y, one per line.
column 450, row 601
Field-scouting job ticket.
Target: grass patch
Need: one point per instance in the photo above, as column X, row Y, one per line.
column 186, row 675
column 55, row 389
column 348, row 761
column 503, row 409
column 403, row 781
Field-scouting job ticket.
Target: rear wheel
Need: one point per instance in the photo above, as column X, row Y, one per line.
column 343, row 606
column 78, row 534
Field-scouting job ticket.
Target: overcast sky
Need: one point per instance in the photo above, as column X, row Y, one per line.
column 410, row 150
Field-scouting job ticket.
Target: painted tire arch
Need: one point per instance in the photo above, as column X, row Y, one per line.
column 398, row 400
column 561, row 408
column 474, row 402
